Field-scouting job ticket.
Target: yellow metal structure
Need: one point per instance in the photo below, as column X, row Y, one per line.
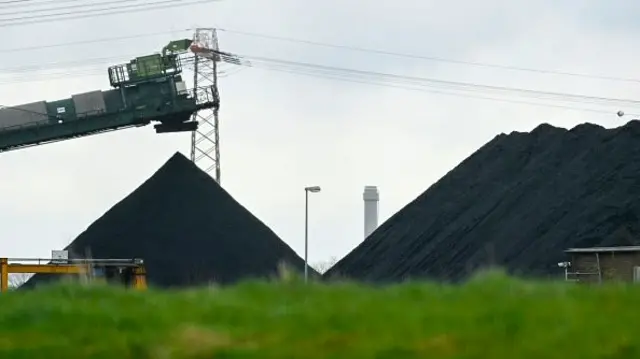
column 132, row 271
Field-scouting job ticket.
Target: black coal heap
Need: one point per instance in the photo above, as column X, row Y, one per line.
column 187, row 229
column 516, row 203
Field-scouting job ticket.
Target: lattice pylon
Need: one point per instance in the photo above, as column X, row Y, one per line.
column 205, row 142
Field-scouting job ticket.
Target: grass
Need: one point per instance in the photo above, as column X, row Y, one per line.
column 490, row 317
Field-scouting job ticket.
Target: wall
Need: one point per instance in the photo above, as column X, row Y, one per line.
column 614, row 266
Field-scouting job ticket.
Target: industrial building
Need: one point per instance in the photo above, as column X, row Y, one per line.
column 602, row 264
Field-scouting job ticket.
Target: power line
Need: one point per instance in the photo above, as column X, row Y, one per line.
column 91, row 11
column 27, row 2
column 83, row 14
column 352, row 48
column 84, row 42
column 17, row 1
column 333, row 76
column 71, row 7
column 344, row 79
column 78, row 63
column 337, row 71
column 431, row 81
column 430, row 58
column 94, row 72
column 66, row 64
column 30, row 3
column 340, row 77
column 49, row 77
column 324, row 76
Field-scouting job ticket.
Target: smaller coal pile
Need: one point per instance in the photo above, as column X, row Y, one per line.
column 187, row 229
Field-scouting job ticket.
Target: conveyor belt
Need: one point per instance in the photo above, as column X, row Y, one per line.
column 174, row 120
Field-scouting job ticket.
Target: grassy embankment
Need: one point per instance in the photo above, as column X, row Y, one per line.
column 490, row 317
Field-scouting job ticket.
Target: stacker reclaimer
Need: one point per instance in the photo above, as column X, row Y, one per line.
column 145, row 90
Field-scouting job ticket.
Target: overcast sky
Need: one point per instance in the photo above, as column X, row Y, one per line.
column 281, row 132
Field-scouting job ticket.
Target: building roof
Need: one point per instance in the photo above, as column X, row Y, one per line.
column 604, row 249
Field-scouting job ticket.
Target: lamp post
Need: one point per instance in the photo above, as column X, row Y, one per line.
column 312, row 189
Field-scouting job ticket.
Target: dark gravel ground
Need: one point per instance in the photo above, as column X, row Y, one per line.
column 517, row 203
column 187, row 229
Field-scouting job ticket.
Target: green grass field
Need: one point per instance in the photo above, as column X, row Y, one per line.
column 490, row 317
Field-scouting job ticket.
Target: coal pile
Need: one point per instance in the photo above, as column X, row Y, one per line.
column 516, row 203
column 187, row 229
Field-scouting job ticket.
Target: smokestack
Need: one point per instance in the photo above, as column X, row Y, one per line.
column 371, row 198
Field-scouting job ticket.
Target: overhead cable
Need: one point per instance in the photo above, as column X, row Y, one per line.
column 338, row 46
column 361, row 76
column 90, row 5
column 429, row 58
column 440, row 92
column 257, row 61
column 84, row 42
column 29, row 3
column 83, row 14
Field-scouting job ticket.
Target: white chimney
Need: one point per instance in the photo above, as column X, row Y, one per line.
column 371, row 198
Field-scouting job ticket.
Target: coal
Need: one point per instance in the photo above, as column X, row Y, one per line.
column 187, row 229
column 516, row 203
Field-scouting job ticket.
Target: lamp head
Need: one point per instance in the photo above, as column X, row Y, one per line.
column 312, row 189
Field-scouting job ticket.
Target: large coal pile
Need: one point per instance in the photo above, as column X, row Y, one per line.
column 516, row 203
column 187, row 229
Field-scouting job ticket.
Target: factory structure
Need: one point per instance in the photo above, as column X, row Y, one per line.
column 602, row 264
column 148, row 89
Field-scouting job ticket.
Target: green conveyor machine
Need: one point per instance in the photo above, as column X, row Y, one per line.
column 145, row 90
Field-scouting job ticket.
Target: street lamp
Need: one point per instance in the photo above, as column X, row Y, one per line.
column 312, row 189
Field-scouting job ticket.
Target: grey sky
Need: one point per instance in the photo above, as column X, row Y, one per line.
column 281, row 132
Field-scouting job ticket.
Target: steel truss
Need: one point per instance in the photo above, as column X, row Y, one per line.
column 205, row 142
